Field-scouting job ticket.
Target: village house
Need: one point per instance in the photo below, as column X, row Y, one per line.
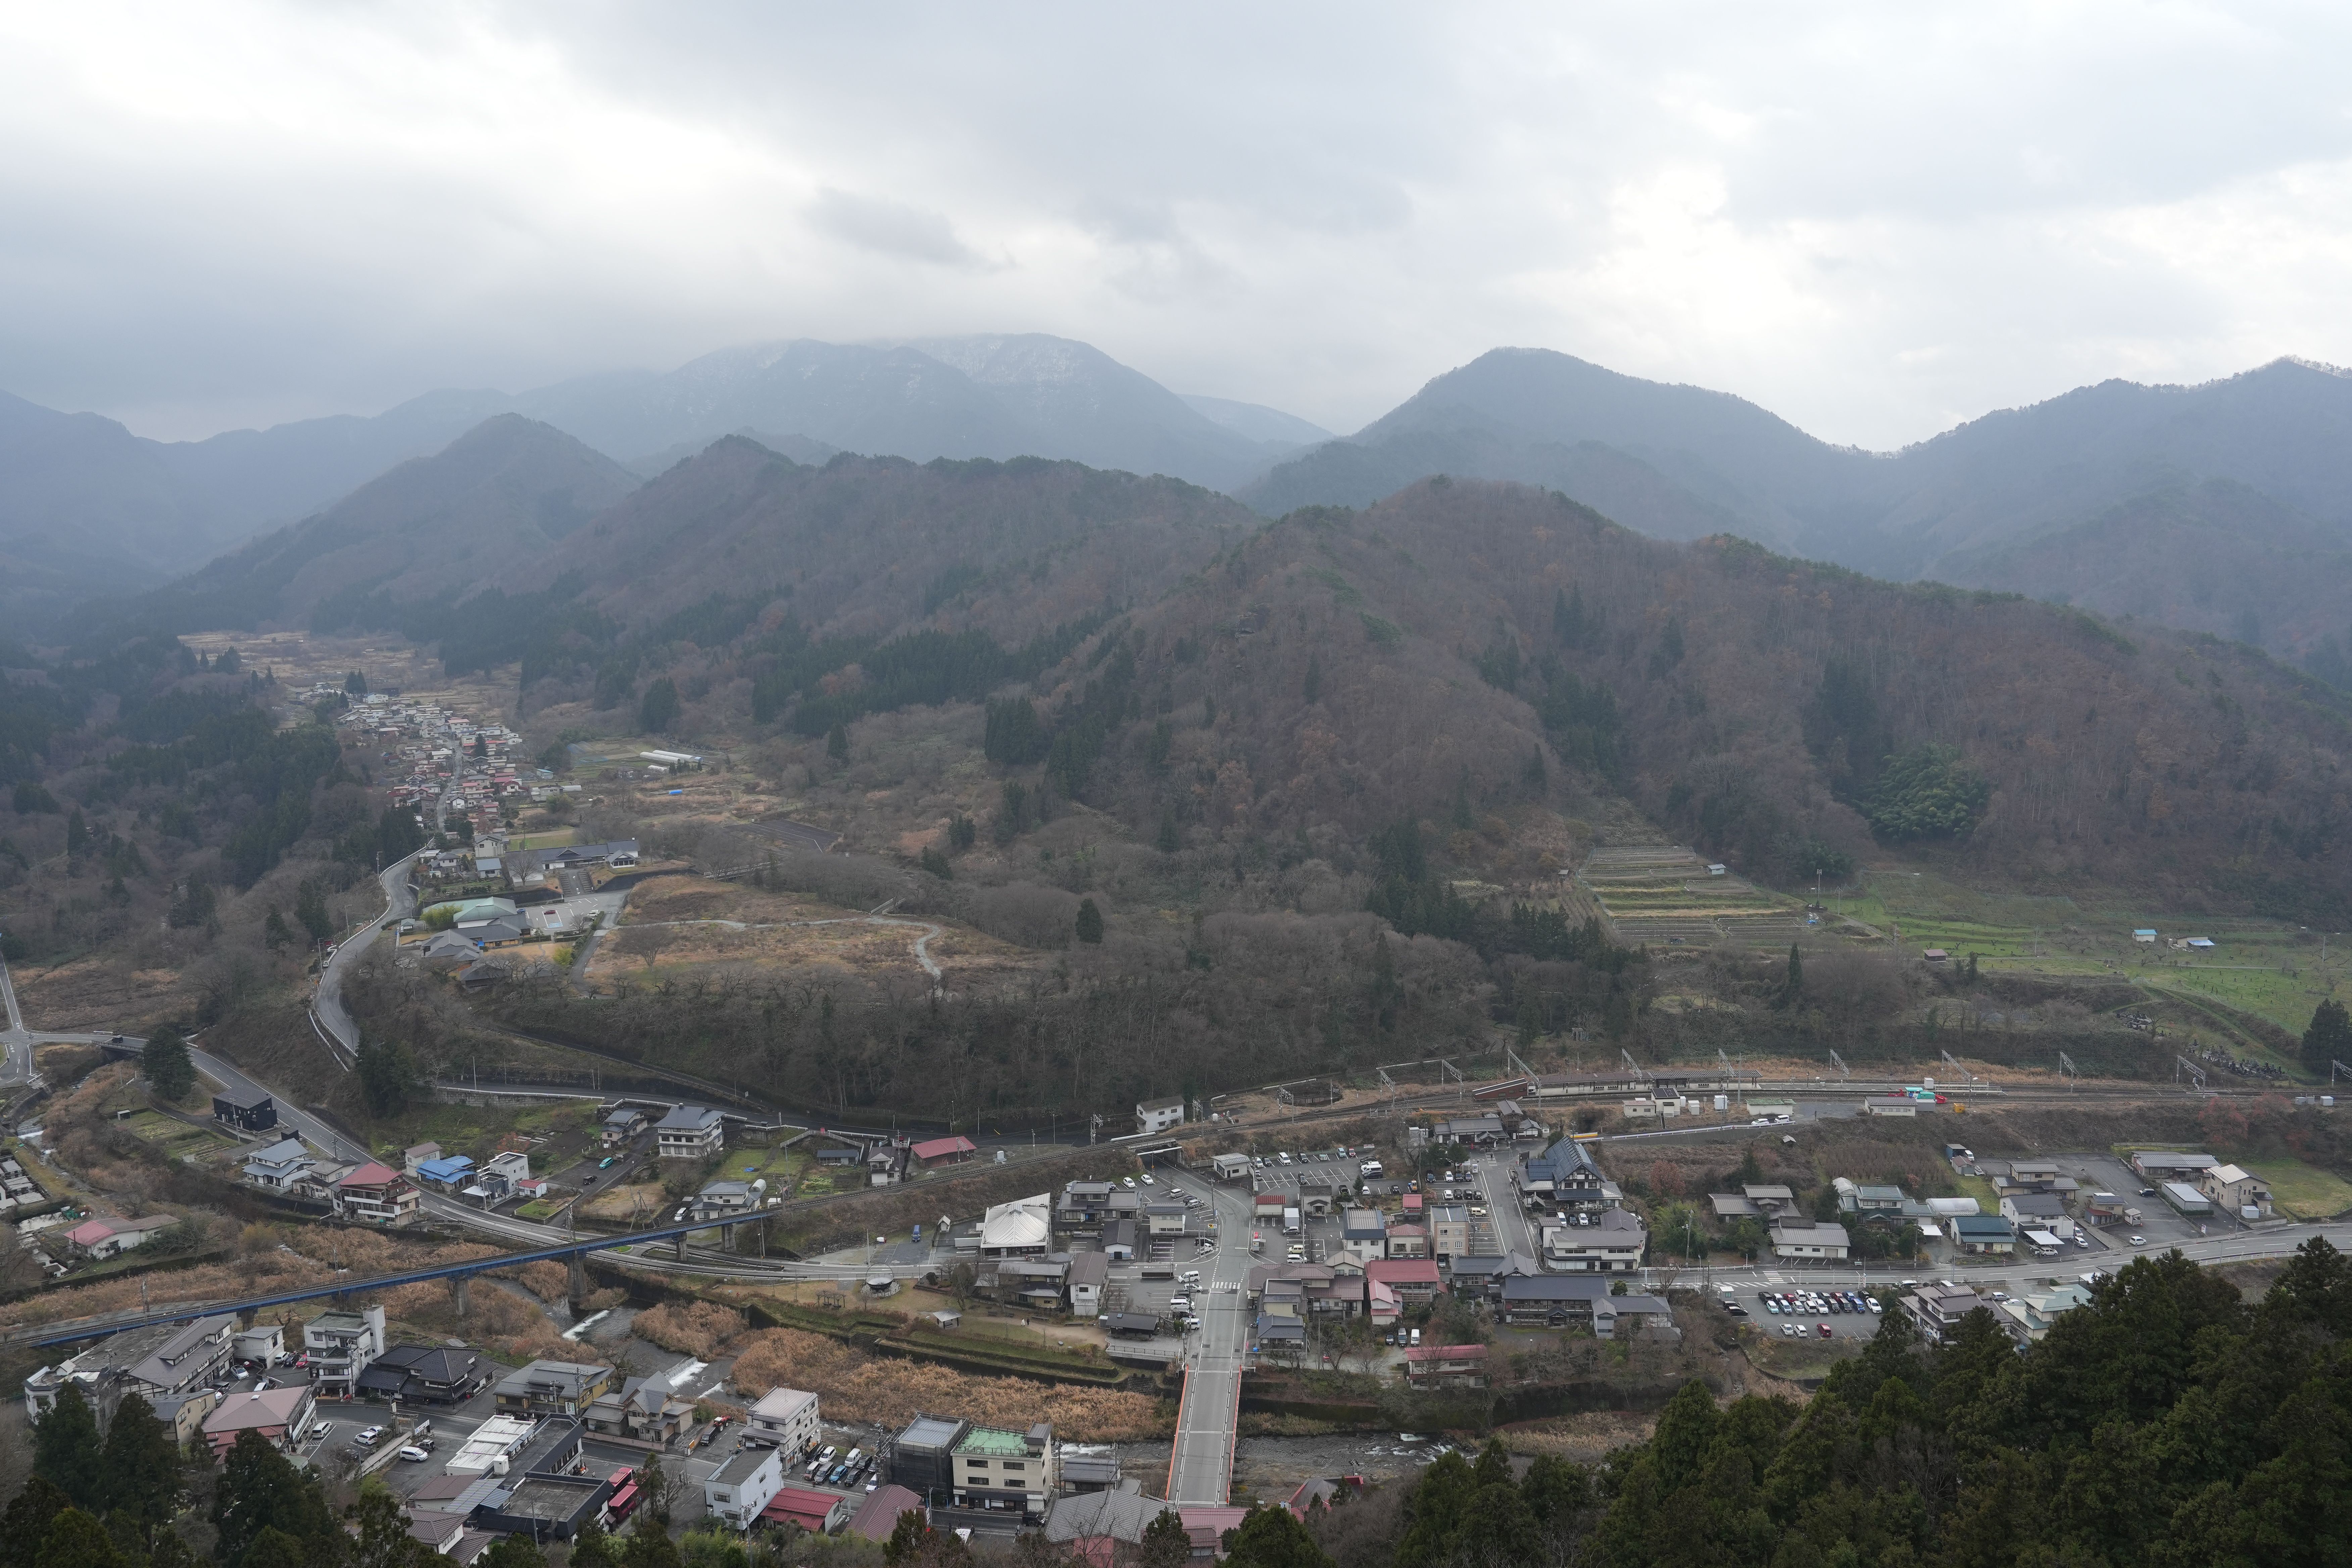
column 192, row 1353
column 2038, row 1211
column 377, row 1195
column 1797, row 1236
column 1987, row 1233
column 1082, row 1208
column 740, row 1489
column 1408, row 1241
column 1445, row 1366
column 339, row 1345
column 247, row 1110
column 2235, row 1190
column 783, row 1419
column 1415, row 1280
column 435, row 1375
column 98, row 1239
column 1159, row 1115
column 278, row 1414
column 551, row 1388
column 689, row 1132
column 936, row 1152
column 1938, row 1309
column 643, row 1409
column 1611, row 1241
column 2030, row 1316
column 1089, row 1272
column 1014, row 1472
column 2161, row 1166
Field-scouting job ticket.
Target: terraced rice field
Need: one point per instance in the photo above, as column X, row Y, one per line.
column 1664, row 895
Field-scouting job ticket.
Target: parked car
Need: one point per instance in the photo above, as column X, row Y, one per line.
column 414, row 1455
column 369, row 1437
column 2138, row 1241
column 1825, row 1330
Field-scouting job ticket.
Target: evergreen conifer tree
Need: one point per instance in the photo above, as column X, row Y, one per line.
column 67, row 1449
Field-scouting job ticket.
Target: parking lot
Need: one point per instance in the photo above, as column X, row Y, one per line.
column 1845, row 1311
column 2161, row 1225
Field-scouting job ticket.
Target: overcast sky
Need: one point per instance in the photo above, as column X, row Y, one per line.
column 1873, row 220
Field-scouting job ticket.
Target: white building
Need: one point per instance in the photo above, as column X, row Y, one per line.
column 738, row 1489
column 340, row 1346
column 1797, row 1236
column 1611, row 1242
column 785, row 1418
column 1159, row 1115
column 689, row 1132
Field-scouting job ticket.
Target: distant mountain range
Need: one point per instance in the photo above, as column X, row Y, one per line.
column 2246, row 483
column 1679, row 462
column 88, row 510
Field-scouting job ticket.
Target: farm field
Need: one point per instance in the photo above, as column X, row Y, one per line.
column 2266, row 969
column 1665, row 894
column 2303, row 1191
column 177, row 1139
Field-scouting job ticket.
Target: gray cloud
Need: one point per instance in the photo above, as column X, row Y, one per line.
column 889, row 228
column 1873, row 220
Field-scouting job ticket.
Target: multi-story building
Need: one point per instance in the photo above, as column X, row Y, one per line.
column 785, row 1418
column 377, row 1195
column 1159, row 1115
column 999, row 1470
column 1609, row 1241
column 738, row 1489
column 551, row 1388
column 281, row 1415
column 185, row 1361
column 689, row 1132
column 1938, row 1309
column 339, row 1345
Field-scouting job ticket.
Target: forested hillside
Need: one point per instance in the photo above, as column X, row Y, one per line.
column 432, row 530
column 2216, row 557
column 2165, row 1424
column 1487, row 639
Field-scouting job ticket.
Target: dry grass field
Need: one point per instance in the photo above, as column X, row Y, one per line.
column 856, row 1386
column 678, row 924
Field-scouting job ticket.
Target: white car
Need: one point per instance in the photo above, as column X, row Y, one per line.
column 1147, row 1178
column 2139, row 1240
column 414, row 1455
column 369, row 1437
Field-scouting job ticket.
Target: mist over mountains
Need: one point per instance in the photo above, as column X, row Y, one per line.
column 89, row 511
column 2224, row 507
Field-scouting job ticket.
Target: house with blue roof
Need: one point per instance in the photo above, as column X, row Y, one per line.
column 451, row 1171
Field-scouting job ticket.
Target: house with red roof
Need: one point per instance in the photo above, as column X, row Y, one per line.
column 375, row 1194
column 1414, row 1279
column 99, row 1238
column 817, row 1512
column 1207, row 1524
column 944, row 1152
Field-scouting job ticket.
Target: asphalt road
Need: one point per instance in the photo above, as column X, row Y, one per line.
column 1201, row 1469
column 399, row 904
column 17, row 1042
